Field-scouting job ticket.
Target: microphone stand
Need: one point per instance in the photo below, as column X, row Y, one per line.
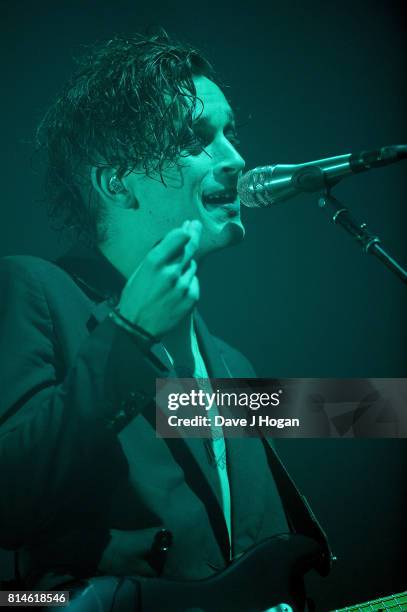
column 368, row 241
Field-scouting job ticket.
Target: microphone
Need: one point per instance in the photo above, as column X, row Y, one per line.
column 268, row 185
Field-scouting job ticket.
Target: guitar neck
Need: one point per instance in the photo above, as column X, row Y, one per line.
column 394, row 603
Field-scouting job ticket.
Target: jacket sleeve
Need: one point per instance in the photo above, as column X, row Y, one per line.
column 57, row 448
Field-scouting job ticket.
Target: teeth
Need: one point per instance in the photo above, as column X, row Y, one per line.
column 224, row 196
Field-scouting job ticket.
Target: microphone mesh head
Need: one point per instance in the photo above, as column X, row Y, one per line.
column 252, row 187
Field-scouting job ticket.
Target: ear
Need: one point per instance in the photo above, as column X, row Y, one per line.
column 108, row 184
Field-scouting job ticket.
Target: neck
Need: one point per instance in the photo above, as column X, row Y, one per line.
column 124, row 251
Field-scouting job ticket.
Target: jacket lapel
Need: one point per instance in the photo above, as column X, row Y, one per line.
column 215, row 361
column 244, row 455
column 206, row 474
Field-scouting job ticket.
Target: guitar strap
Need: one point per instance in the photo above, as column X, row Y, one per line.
column 299, row 512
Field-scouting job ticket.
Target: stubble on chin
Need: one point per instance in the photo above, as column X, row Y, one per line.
column 231, row 234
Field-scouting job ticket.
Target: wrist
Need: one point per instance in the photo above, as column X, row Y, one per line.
column 140, row 334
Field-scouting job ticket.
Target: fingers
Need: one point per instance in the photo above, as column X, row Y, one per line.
column 158, row 295
column 192, row 246
column 170, row 247
column 193, row 292
column 188, row 283
column 186, row 278
column 181, row 241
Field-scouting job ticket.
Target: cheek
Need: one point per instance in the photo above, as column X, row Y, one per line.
column 171, row 207
column 179, row 199
column 197, row 171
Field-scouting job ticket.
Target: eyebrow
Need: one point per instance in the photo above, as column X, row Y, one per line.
column 204, row 121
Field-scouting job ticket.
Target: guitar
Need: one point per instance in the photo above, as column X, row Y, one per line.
column 268, row 575
column 395, row 603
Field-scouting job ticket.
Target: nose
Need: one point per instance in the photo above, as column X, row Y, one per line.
column 230, row 161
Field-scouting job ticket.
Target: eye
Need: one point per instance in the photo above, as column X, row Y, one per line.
column 231, row 135
column 195, row 142
column 192, row 146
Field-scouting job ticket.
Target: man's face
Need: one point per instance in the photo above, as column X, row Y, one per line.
column 203, row 188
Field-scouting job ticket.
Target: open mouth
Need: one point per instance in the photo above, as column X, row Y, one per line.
column 219, row 198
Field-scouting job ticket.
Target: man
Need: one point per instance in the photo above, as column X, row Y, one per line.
column 142, row 163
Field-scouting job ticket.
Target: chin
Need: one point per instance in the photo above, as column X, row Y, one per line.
column 229, row 234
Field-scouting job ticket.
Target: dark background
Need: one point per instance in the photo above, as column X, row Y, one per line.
column 309, row 80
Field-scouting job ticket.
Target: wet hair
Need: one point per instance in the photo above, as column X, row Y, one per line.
column 130, row 104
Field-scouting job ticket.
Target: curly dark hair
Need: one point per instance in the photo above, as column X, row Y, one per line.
column 130, row 104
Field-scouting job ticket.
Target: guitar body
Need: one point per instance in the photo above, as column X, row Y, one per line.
column 268, row 574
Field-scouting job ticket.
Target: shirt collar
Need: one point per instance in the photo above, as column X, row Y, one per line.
column 93, row 272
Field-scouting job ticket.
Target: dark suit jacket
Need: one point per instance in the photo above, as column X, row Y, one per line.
column 85, row 488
